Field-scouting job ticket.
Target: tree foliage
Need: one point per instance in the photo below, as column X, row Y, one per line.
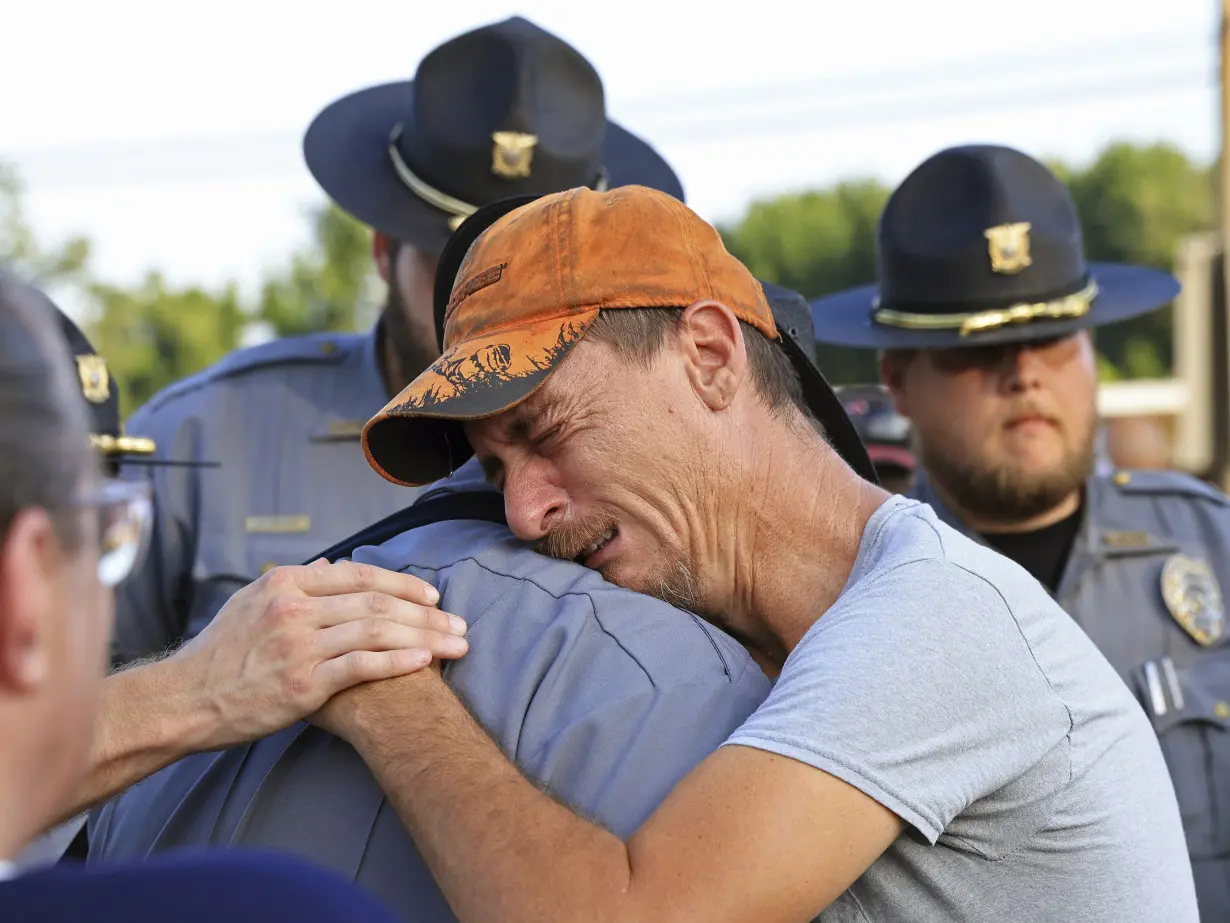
column 155, row 334
column 22, row 254
column 328, row 285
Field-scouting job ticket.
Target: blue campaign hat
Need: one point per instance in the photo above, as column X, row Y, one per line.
column 504, row 110
column 981, row 245
column 102, row 398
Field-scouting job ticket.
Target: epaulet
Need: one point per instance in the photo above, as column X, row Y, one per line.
column 313, row 349
column 1165, row 483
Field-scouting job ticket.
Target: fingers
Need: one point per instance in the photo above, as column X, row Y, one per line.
column 327, row 611
column 348, row 577
column 380, row 635
column 367, row 666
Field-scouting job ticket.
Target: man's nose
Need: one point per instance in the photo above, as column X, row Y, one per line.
column 534, row 504
column 1022, row 368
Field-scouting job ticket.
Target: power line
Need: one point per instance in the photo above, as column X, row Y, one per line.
column 1084, row 55
column 834, row 119
column 276, row 154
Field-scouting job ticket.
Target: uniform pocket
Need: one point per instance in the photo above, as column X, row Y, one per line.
column 1190, row 709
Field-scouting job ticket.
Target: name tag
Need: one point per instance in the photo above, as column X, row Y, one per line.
column 1126, row 539
column 279, row 524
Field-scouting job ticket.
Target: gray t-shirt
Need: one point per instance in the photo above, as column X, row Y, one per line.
column 947, row 685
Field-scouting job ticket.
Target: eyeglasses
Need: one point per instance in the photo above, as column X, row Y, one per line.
column 125, row 518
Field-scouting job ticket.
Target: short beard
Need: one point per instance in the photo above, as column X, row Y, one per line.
column 674, row 582
column 413, row 355
column 1002, row 494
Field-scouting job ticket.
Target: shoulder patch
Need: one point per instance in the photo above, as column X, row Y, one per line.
column 1165, row 483
column 314, row 349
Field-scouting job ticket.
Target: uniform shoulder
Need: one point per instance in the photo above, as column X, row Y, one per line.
column 315, row 349
column 1161, row 483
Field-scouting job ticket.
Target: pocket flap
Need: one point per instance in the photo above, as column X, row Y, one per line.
column 1175, row 695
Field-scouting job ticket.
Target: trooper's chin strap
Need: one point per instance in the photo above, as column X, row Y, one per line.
column 458, row 210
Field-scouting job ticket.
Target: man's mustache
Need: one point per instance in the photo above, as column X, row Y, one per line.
column 568, row 540
column 1030, row 408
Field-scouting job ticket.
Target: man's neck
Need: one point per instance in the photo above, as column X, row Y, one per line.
column 797, row 535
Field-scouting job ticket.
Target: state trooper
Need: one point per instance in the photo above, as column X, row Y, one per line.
column 117, row 452
column 506, row 109
column 885, row 433
column 983, row 310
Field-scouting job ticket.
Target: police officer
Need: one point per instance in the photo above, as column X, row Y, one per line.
column 983, row 312
column 886, row 433
column 116, row 451
column 274, row 653
column 503, row 110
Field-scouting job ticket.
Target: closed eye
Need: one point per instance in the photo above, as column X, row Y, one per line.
column 542, row 439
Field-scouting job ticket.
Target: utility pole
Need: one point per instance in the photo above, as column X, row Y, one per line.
column 1221, row 306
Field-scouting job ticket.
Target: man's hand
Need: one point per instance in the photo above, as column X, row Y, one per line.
column 284, row 645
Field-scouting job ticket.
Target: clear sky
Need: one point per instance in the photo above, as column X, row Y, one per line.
column 169, row 133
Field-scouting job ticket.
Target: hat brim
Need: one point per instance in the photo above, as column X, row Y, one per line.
column 415, row 439
column 346, row 150
column 1124, row 291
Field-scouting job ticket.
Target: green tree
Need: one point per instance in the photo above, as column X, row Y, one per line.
column 155, row 335
column 22, row 253
column 816, row 242
column 328, row 285
column 1136, row 204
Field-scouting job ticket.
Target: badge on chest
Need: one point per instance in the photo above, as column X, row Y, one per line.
column 1193, row 598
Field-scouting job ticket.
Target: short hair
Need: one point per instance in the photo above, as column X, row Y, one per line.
column 45, row 450
column 638, row 334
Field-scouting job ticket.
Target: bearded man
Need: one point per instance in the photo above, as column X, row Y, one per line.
column 983, row 311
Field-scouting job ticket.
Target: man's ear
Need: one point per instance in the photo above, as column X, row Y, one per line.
column 893, row 368
column 716, row 355
column 28, row 563
column 382, row 255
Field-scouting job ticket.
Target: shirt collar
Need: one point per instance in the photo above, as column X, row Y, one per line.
column 7, row 870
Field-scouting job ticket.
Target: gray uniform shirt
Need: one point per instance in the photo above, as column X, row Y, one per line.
column 1137, row 527
column 606, row 696
column 947, row 685
column 283, row 420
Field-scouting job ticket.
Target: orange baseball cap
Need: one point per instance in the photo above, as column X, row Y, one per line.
column 521, row 281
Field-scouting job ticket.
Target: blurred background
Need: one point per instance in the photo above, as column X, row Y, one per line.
column 151, row 176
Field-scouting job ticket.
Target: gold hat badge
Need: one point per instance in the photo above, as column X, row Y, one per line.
column 1008, row 247
column 95, row 382
column 512, row 153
